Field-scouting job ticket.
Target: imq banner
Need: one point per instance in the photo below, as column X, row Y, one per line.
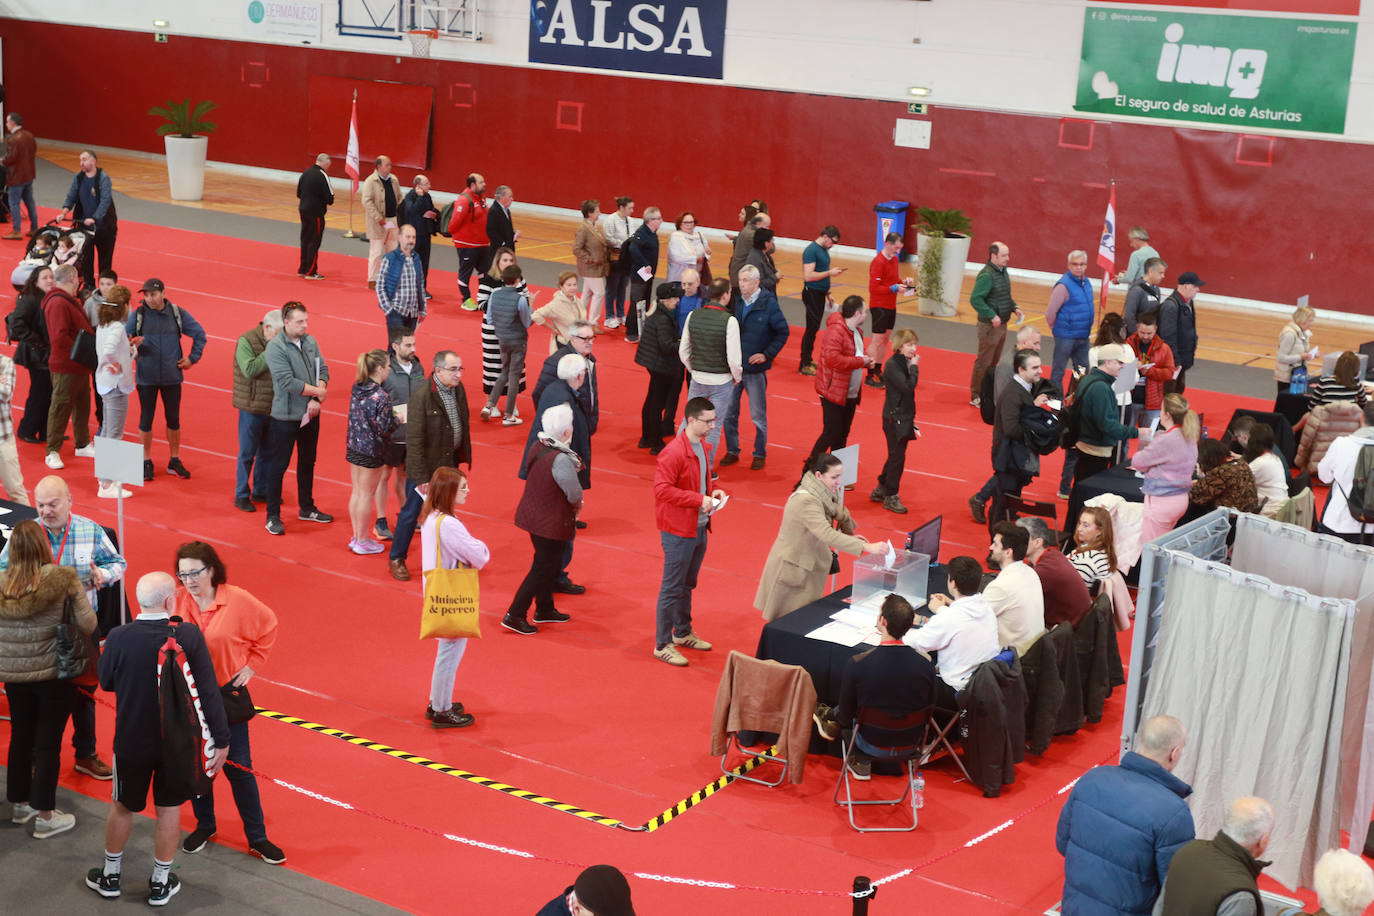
column 1266, row 73
column 677, row 37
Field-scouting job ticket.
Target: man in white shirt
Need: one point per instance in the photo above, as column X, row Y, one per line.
column 963, row 629
column 1015, row 595
column 1337, row 468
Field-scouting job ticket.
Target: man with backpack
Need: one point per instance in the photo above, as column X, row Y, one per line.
column 1348, row 466
column 160, row 672
column 155, row 329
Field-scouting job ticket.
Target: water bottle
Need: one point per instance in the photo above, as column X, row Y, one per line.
column 920, row 790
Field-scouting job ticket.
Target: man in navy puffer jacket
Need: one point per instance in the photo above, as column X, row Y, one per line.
column 1122, row 825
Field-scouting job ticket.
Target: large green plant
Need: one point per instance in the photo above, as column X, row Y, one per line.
column 944, row 223
column 183, row 120
column 937, row 225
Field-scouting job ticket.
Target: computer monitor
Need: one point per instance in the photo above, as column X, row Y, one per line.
column 926, row 539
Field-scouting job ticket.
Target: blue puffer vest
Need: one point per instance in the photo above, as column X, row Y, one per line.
column 1075, row 317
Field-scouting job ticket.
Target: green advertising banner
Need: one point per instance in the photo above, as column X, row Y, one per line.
column 1245, row 71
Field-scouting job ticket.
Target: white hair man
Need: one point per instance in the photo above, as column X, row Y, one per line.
column 129, row 668
column 253, row 398
column 1122, row 825
column 417, row 210
column 315, row 195
column 1344, row 883
column 1217, row 876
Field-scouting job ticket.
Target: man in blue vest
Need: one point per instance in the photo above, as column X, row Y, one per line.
column 1070, row 317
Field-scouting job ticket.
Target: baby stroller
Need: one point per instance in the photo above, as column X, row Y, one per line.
column 42, row 251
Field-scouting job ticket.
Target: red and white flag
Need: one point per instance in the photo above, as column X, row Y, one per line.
column 1106, row 247
column 351, row 161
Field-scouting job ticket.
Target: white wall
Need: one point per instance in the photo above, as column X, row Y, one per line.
column 1011, row 55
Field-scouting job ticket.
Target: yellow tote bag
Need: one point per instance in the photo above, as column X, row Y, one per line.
column 450, row 606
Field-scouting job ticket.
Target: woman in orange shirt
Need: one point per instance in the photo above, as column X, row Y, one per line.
column 239, row 631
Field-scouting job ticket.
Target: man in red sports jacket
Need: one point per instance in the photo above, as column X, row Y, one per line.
column 468, row 229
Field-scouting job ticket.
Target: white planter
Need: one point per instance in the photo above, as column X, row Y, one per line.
column 186, row 166
column 953, row 257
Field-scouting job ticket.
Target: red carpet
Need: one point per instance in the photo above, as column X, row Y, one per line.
column 580, row 713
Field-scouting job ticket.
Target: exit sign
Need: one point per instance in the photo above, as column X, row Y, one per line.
column 915, row 107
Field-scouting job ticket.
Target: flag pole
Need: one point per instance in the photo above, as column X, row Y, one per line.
column 351, row 164
column 1106, row 249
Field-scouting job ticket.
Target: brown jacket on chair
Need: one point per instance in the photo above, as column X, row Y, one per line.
column 765, row 696
column 1325, row 424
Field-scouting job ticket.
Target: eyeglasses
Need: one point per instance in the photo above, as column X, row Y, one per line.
column 586, row 337
column 710, row 422
column 190, row 574
column 451, row 368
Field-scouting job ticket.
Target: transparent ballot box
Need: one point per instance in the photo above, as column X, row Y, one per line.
column 908, row 575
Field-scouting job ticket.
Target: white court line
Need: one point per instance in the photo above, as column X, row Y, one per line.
column 937, row 476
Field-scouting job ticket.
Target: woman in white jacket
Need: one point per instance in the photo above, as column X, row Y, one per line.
column 1295, row 347
column 114, row 373
column 687, row 247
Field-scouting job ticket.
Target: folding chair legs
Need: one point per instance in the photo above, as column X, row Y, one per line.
column 761, row 756
column 850, row 802
column 940, row 740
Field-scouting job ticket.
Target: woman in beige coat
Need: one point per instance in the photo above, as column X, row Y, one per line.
column 558, row 316
column 33, row 597
column 799, row 562
column 589, row 250
column 1295, row 347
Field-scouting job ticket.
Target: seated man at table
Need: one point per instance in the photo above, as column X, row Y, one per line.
column 891, row 677
column 962, row 629
column 1015, row 595
column 1066, row 597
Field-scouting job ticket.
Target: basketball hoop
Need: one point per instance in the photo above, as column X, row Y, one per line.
column 420, row 40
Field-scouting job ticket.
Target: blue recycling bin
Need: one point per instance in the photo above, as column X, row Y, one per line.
column 891, row 218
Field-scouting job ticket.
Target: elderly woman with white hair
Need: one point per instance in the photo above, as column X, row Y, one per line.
column 547, row 510
column 1344, row 883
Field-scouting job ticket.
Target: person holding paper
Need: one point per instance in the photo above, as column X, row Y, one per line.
column 643, row 259
column 1156, row 362
column 300, row 379
column 814, row 523
column 1295, row 347
column 683, row 505
column 1168, row 462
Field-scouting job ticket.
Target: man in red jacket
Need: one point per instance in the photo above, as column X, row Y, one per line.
column 1155, row 361
column 468, row 229
column 683, row 503
column 884, row 286
column 839, row 374
column 71, row 381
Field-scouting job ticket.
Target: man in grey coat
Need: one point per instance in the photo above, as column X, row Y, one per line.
column 300, row 377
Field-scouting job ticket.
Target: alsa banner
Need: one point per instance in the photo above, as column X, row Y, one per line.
column 1242, row 71
column 677, row 37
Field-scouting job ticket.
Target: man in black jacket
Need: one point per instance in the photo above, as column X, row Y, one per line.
column 417, row 209
column 129, row 667
column 501, row 230
column 1025, row 389
column 643, row 247
column 315, row 196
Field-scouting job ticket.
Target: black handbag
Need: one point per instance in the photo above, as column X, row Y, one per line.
column 834, row 563
column 238, row 705
column 76, row 651
column 83, row 349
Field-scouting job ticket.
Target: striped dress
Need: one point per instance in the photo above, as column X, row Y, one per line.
column 491, row 349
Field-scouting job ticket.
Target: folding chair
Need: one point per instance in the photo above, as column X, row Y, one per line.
column 755, row 695
column 761, row 756
column 885, row 730
column 938, row 736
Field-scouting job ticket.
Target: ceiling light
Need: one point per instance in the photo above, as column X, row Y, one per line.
column 919, row 90
column 160, row 23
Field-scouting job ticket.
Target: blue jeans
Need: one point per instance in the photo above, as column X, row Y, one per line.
column 1075, row 348
column 754, row 384
column 23, row 192
column 244, row 785
column 405, row 522
column 681, row 562
column 252, row 461
column 719, row 396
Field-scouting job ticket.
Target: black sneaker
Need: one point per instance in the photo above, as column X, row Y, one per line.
column 195, row 840
column 553, row 615
column 451, row 719
column 862, row 770
column 519, row 625
column 568, row 587
column 274, row 525
column 579, row 524
column 148, row 470
column 381, row 531
column 103, row 884
column 258, row 497
column 268, row 851
column 175, row 467
column 975, row 507
column 315, row 515
column 160, row 892
column 245, row 505
column 455, row 709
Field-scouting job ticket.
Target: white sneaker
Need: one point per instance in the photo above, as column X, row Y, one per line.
column 612, row 323
column 60, row 822
column 22, row 813
column 54, row 461
column 113, row 491
column 87, row 452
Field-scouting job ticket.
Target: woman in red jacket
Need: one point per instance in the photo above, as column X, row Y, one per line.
column 840, row 373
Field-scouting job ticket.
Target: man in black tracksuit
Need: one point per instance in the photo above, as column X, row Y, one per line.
column 316, row 196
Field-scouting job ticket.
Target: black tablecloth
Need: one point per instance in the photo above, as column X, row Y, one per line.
column 1119, row 479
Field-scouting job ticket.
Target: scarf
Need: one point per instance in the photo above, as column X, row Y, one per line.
column 812, row 486
column 563, row 447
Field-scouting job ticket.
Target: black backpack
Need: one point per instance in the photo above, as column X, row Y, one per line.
column 445, row 215
column 186, row 742
column 1071, row 418
column 987, row 397
column 1041, row 430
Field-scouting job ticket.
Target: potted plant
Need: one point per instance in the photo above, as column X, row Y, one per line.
column 941, row 251
column 184, row 133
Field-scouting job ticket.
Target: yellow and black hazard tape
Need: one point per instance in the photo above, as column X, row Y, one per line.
column 447, row 770
column 705, row 792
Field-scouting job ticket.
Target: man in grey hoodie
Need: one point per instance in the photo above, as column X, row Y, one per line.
column 300, row 377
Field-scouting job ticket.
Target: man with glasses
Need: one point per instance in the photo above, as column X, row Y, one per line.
column 300, row 377
column 683, row 504
column 437, row 436
column 82, row 544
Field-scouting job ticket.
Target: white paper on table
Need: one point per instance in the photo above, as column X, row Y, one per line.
column 855, row 617
column 890, row 557
column 873, row 639
column 644, row 273
column 839, row 633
